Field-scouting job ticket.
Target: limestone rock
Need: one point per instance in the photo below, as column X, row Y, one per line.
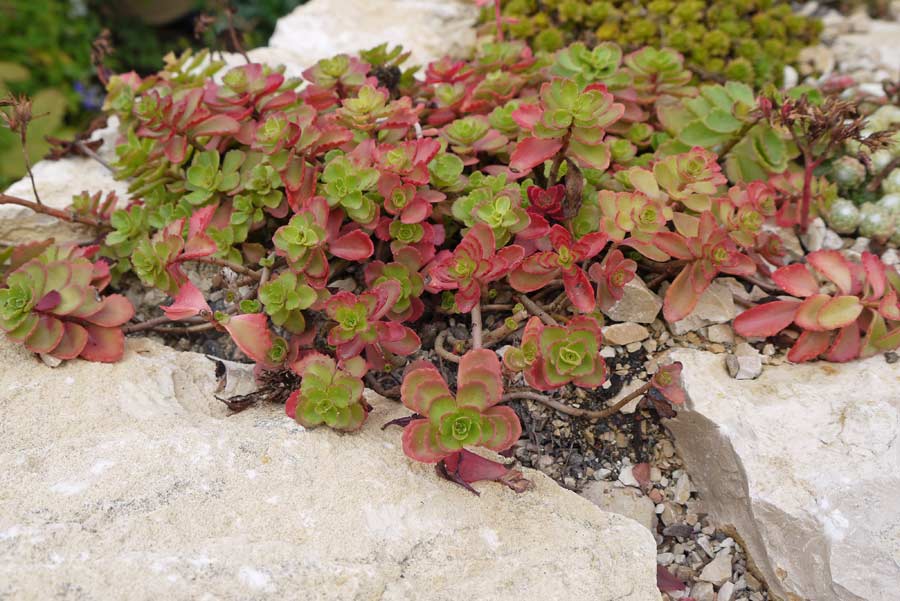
column 718, row 570
column 624, row 501
column 128, row 481
column 621, row 334
column 57, row 182
column 639, row 304
column 716, row 305
column 429, row 29
column 806, row 457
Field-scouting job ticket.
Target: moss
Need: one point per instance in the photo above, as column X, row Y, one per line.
column 746, row 40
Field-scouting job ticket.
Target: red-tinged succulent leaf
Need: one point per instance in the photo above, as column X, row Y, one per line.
column 290, row 406
column 834, row 266
column 579, row 290
column 876, row 275
column 419, row 443
column 666, row 582
column 480, row 366
column 887, row 341
column 106, row 345
column 847, row 345
column 198, row 245
column 766, row 320
column 114, row 310
column 49, row 301
column 808, row 313
column 354, row 246
column 251, row 334
column 176, row 149
column 188, row 302
column 667, row 381
column 421, row 387
column 217, row 125
column 889, row 306
column 674, row 245
column 72, row 343
column 406, row 344
column 46, row 335
column 532, row 152
column 681, row 297
column 796, row 280
column 839, row 312
column 386, row 295
column 534, row 273
column 527, row 116
column 589, row 245
column 506, row 428
column 809, row 346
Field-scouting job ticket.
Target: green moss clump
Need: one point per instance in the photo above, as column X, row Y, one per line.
column 743, row 40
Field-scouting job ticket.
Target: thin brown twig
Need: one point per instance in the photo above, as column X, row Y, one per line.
column 232, row 266
column 879, row 177
column 536, row 309
column 476, row 326
column 503, row 330
column 442, row 352
column 156, row 321
column 87, row 150
column 575, row 411
column 203, row 327
column 37, row 207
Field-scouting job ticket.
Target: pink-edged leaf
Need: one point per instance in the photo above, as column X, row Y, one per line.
column 217, row 125
column 201, row 219
column 766, row 320
column 251, row 334
column 188, row 302
column 834, row 266
column 386, row 295
column 589, row 156
column 889, row 306
column 527, row 116
column 407, row 344
column 531, row 152
column 290, row 406
column 114, row 310
column 355, row 246
column 681, row 297
column 673, row 245
column 507, row 428
column 847, row 345
column 72, row 343
column 809, row 346
column 106, row 345
column 579, row 290
column 590, row 244
column 199, row 245
column 176, row 149
column 419, row 443
column 49, row 301
column 46, row 335
column 807, row 316
column 422, row 386
column 796, row 280
column 482, row 366
column 839, row 312
column 534, row 273
column 876, row 275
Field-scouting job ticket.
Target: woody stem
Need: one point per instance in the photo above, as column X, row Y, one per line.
column 476, row 326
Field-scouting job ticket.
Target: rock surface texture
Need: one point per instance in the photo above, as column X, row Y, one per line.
column 429, row 29
column 804, row 463
column 128, row 481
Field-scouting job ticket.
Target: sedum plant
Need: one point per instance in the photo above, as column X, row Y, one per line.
column 349, row 223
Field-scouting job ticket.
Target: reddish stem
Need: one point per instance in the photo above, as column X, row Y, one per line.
column 41, row 208
column 498, row 18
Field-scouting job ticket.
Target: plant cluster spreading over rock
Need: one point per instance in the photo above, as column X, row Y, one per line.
column 346, row 208
column 745, row 40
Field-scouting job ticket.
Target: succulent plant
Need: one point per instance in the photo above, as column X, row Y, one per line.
column 843, row 216
column 859, row 319
column 848, row 172
column 748, row 41
column 54, row 307
column 552, row 356
column 876, row 222
column 446, row 424
column 329, row 393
